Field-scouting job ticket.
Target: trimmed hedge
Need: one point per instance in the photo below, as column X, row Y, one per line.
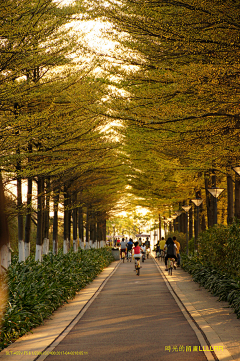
column 218, row 283
column 37, row 289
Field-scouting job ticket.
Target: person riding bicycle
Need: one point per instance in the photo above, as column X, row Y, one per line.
column 136, row 251
column 162, row 244
column 178, row 251
column 129, row 246
column 123, row 246
column 143, row 248
column 157, row 249
column 171, row 249
column 148, row 247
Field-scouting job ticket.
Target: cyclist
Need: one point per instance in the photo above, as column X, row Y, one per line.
column 171, row 249
column 178, row 250
column 129, row 247
column 162, row 244
column 143, row 248
column 136, row 252
column 148, row 248
column 123, row 246
column 158, row 250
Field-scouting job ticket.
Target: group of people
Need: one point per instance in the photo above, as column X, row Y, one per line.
column 133, row 248
column 171, row 249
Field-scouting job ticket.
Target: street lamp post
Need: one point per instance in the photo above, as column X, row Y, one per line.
column 197, row 203
column 186, row 209
column 215, row 192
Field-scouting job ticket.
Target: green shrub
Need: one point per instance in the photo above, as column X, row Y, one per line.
column 181, row 238
column 218, row 283
column 220, row 247
column 37, row 289
column 191, row 246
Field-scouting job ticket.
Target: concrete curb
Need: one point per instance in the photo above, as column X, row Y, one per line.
column 32, row 346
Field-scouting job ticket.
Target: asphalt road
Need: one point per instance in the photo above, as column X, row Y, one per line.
column 133, row 318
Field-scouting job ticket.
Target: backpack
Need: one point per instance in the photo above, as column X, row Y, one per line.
column 171, row 249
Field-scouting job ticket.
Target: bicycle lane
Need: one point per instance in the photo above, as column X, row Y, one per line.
column 132, row 318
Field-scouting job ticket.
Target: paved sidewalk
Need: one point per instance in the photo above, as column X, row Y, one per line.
column 135, row 318
column 216, row 319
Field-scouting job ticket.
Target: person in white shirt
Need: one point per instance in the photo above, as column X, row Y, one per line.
column 123, row 246
column 143, row 248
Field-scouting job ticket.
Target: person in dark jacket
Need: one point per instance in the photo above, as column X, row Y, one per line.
column 171, row 251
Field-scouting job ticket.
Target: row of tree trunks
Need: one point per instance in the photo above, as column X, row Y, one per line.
column 95, row 222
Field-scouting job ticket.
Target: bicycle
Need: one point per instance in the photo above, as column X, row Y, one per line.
column 137, row 266
column 170, row 264
column 162, row 255
column 123, row 254
column 129, row 255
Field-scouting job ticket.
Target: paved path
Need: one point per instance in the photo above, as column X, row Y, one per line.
column 153, row 317
column 133, row 318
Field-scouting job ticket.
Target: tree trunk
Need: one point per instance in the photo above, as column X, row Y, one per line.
column 104, row 230
column 99, row 232
column 181, row 223
column 230, row 199
column 55, row 222
column 87, row 228
column 214, row 200
column 75, row 242
column 80, row 225
column 92, row 226
column 21, row 256
column 46, row 218
column 69, row 220
column 209, row 203
column 160, row 226
column 95, row 231
column 237, row 196
column 190, row 235
column 184, row 216
column 5, row 252
column 39, row 241
column 203, row 223
column 65, row 221
column 28, row 219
